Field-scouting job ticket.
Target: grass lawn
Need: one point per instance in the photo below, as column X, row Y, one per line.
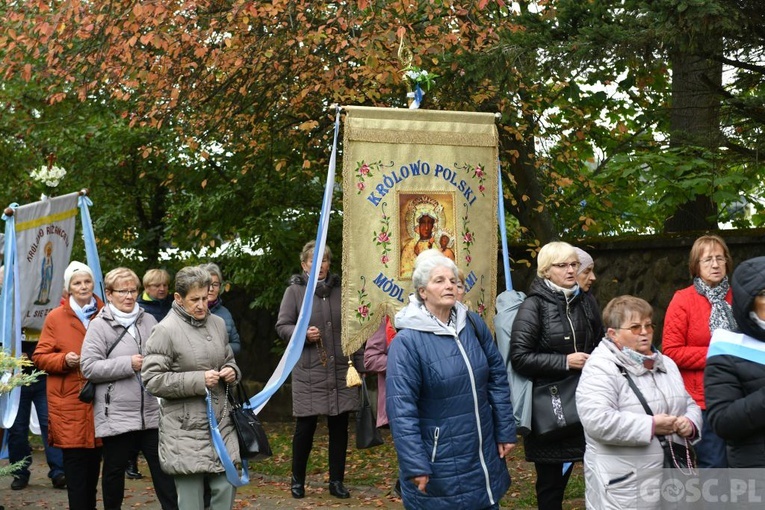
column 377, row 466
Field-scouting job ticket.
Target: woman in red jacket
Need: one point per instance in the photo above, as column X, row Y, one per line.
column 693, row 314
column 70, row 422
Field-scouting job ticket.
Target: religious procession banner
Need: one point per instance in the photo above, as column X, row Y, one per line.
column 415, row 180
column 44, row 236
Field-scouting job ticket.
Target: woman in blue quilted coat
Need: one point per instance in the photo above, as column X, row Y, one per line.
column 448, row 398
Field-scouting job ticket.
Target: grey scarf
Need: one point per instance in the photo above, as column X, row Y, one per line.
column 722, row 315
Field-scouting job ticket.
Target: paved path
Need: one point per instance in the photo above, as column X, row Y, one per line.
column 262, row 493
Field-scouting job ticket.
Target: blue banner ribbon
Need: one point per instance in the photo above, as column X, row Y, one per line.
column 10, row 316
column 220, row 448
column 91, row 250
column 295, row 346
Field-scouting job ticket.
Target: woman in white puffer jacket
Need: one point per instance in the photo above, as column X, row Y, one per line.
column 623, row 456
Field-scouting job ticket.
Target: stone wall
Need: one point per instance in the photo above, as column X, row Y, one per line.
column 651, row 267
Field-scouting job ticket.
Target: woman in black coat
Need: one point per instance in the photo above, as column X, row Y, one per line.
column 551, row 339
column 735, row 371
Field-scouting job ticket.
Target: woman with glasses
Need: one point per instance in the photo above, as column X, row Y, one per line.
column 693, row 314
column 551, row 339
column 216, row 307
column 126, row 415
column 624, row 455
column 70, row 422
column 319, row 378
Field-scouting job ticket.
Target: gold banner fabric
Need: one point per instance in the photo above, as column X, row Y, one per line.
column 414, row 180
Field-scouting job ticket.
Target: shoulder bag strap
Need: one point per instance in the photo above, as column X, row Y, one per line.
column 640, row 397
column 111, row 347
column 634, row 387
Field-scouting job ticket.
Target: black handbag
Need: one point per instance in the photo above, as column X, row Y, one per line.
column 680, row 456
column 553, row 408
column 253, row 441
column 367, row 433
column 88, row 391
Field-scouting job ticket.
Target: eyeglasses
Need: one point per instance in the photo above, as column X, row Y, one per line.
column 708, row 261
column 636, row 329
column 566, row 265
column 126, row 292
column 158, row 285
column 215, row 285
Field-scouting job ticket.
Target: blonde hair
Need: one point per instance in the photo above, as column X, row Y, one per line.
column 155, row 276
column 553, row 253
column 119, row 273
column 307, row 252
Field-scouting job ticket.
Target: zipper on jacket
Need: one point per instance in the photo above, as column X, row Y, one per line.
column 436, row 432
column 568, row 318
column 620, row 479
column 108, row 398
column 484, row 467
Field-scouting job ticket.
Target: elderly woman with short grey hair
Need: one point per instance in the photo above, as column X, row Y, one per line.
column 448, row 399
column 188, row 354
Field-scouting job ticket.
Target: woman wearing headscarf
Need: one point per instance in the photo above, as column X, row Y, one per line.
column 448, row 399
column 693, row 314
column 187, row 356
column 551, row 339
column 70, row 421
column 585, row 277
column 623, row 440
column 126, row 415
column 736, row 369
column 319, row 378
column 215, row 304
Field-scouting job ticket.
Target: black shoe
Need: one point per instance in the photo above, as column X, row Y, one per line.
column 131, row 472
column 397, row 488
column 297, row 488
column 338, row 490
column 59, row 481
column 19, row 483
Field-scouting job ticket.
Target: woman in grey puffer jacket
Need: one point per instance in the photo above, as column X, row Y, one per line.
column 187, row 355
column 126, row 415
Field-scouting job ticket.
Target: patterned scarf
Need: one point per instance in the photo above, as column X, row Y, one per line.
column 722, row 315
column 84, row 313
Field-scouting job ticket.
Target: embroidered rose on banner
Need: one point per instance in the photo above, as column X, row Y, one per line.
column 365, row 171
column 363, row 313
column 468, row 238
column 382, row 238
column 475, row 172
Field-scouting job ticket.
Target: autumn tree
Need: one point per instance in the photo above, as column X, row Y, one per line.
column 218, row 112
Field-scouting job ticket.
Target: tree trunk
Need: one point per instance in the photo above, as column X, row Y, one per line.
column 532, row 213
column 695, row 120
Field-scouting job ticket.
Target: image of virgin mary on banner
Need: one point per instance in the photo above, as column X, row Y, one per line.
column 415, row 180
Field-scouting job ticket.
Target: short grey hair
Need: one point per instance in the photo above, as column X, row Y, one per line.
column 192, row 277
column 213, row 269
column 424, row 265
